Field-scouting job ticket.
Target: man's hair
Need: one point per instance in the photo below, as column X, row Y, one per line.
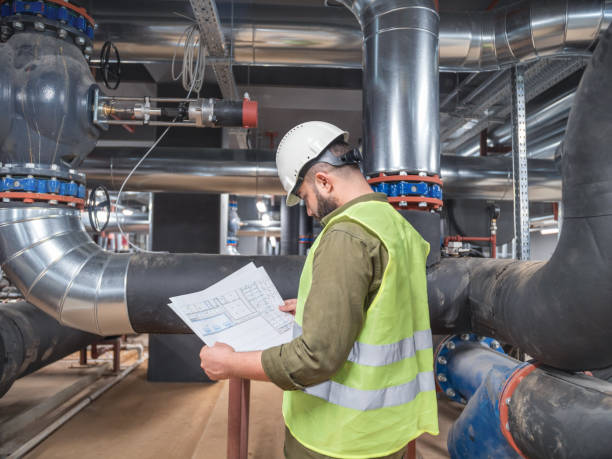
column 338, row 148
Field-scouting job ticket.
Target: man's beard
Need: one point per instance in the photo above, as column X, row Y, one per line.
column 324, row 206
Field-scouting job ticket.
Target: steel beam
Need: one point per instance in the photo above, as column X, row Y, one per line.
column 519, row 164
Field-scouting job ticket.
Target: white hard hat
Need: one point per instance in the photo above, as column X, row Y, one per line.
column 301, row 144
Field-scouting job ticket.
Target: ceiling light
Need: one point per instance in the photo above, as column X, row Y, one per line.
column 265, row 220
column 127, row 212
column 545, row 231
column 261, row 206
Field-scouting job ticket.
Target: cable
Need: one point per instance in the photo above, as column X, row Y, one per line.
column 192, row 74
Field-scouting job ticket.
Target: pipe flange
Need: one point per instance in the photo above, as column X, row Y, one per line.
column 420, row 192
column 62, row 18
column 505, row 398
column 37, row 183
column 42, row 171
column 441, row 359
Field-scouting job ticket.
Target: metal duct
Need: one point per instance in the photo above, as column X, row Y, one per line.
column 468, row 40
column 537, row 121
column 137, row 222
column 47, row 253
column 175, row 170
column 400, row 67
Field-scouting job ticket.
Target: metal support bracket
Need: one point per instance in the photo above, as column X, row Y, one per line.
column 207, row 16
column 519, row 164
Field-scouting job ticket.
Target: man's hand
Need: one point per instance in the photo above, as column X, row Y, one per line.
column 216, row 360
column 289, row 306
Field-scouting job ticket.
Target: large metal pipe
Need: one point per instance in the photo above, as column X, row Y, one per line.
column 178, row 170
column 400, row 67
column 534, row 304
column 31, row 339
column 47, row 253
column 137, row 222
column 469, row 40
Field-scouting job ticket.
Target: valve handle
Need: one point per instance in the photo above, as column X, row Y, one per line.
column 111, row 68
column 94, row 207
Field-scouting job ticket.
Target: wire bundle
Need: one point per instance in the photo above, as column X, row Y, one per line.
column 194, row 59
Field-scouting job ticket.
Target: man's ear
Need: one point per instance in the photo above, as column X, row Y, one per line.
column 324, row 181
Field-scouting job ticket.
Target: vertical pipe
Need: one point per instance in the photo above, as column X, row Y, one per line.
column 223, row 221
column 289, row 229
column 305, row 231
column 400, row 85
column 519, row 164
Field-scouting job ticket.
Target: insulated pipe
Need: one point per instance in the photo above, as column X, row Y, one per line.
column 177, row 170
column 31, row 339
column 557, row 415
column 400, row 50
column 469, row 40
column 559, row 312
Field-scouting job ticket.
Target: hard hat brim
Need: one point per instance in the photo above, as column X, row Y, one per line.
column 292, row 200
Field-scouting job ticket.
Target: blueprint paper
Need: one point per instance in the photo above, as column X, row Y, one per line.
column 240, row 310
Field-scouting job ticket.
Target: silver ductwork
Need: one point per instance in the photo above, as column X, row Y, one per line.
column 468, row 40
column 538, row 122
column 50, row 257
column 403, row 133
column 137, row 222
column 464, row 177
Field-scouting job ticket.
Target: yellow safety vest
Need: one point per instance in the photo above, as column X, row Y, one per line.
column 384, row 395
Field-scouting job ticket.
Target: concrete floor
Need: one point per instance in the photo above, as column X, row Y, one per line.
column 141, row 419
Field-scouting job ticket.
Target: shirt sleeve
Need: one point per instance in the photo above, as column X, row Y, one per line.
column 333, row 313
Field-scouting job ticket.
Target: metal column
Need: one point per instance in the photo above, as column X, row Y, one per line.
column 519, row 164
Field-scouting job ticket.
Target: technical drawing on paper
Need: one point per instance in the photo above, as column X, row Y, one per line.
column 241, row 310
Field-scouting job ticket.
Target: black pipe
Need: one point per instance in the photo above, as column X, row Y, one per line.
column 31, row 339
column 304, row 231
column 153, row 278
column 289, row 220
column 559, row 312
column 559, row 415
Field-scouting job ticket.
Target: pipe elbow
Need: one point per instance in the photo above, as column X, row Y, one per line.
column 47, row 253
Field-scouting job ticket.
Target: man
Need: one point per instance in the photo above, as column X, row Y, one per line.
column 358, row 374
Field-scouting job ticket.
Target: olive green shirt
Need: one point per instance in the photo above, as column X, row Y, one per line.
column 347, row 272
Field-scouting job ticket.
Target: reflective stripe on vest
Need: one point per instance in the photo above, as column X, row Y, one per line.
column 364, row 400
column 384, row 354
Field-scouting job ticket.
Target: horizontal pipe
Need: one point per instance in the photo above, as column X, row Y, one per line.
column 538, row 121
column 469, row 40
column 31, row 339
column 174, row 169
column 553, row 414
column 138, row 222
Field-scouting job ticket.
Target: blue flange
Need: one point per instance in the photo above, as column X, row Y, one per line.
column 50, row 14
column 43, row 186
column 441, row 359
